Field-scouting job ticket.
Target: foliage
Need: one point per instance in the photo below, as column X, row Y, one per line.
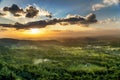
column 90, row 62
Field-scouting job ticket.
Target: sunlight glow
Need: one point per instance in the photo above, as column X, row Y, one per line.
column 34, row 31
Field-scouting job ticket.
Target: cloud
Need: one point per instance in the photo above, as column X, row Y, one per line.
column 31, row 12
column 90, row 18
column 24, row 15
column 2, row 14
column 105, row 3
column 108, row 20
column 14, row 9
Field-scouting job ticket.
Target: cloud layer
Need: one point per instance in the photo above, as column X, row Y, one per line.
column 31, row 12
column 70, row 19
column 105, row 3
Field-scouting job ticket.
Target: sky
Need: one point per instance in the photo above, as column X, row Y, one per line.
column 46, row 19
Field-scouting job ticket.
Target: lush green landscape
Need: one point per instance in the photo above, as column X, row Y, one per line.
column 69, row 59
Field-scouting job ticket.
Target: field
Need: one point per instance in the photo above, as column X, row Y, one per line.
column 87, row 59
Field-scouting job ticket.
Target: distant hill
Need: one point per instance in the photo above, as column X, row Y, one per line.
column 82, row 41
column 17, row 42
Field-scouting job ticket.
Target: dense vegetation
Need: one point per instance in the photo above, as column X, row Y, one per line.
column 90, row 60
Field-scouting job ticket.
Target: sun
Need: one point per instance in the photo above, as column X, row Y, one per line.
column 34, row 31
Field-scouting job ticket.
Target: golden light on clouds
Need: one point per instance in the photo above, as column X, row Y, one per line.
column 54, row 32
column 51, row 31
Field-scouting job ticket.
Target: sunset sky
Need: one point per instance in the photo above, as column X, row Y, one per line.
column 48, row 19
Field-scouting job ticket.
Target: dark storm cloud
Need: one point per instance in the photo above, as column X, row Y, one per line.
column 50, row 15
column 13, row 9
column 31, row 12
column 28, row 12
column 17, row 15
column 91, row 18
